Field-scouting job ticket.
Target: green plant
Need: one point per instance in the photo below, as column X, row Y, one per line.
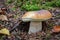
column 46, row 7
column 57, row 3
column 54, row 3
column 13, row 8
column 9, row 1
column 30, row 5
column 1, row 36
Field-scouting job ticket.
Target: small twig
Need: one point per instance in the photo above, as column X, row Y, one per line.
column 15, row 26
column 56, row 16
column 18, row 37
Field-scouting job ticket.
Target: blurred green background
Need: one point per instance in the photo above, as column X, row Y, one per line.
column 32, row 5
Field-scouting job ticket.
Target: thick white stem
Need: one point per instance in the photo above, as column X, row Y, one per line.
column 35, row 27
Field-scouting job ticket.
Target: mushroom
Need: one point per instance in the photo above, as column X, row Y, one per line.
column 36, row 18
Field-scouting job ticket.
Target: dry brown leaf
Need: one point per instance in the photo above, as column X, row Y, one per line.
column 3, row 9
column 3, row 18
column 10, row 15
column 1, row 12
column 56, row 29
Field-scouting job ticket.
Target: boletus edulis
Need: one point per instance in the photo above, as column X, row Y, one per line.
column 36, row 18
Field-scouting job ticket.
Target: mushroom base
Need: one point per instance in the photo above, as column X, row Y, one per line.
column 35, row 27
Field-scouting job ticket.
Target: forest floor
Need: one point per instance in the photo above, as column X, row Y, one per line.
column 19, row 29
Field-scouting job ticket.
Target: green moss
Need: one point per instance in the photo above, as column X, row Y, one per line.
column 30, row 5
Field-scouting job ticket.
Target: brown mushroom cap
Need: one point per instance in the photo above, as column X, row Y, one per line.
column 37, row 15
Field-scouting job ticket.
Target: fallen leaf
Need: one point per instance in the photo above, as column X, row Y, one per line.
column 3, row 18
column 56, row 29
column 10, row 15
column 2, row 12
column 4, row 31
column 3, row 9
